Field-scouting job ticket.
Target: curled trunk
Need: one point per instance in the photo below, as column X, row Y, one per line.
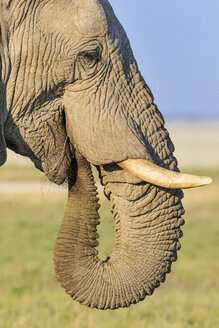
column 147, row 228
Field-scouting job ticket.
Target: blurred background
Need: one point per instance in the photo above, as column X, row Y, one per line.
column 175, row 45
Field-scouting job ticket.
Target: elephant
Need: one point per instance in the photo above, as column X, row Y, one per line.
column 72, row 96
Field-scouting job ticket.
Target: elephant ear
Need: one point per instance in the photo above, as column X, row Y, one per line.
column 3, row 109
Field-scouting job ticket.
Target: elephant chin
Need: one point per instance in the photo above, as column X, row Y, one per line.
column 147, row 228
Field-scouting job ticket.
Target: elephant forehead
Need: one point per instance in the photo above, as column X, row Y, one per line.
column 82, row 17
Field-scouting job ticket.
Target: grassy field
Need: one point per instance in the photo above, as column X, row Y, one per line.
column 17, row 173
column 30, row 296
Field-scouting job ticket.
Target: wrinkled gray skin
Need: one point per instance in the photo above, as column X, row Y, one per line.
column 67, row 69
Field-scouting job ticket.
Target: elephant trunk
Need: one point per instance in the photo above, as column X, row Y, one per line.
column 147, row 228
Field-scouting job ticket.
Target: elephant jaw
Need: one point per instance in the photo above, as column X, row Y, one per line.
column 161, row 177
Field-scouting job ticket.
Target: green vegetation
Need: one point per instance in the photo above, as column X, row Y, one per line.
column 30, row 296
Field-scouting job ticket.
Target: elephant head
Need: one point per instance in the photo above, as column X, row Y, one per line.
column 72, row 96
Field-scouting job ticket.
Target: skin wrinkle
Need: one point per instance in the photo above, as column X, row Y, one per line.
column 152, row 201
column 121, row 92
column 31, row 75
column 14, row 83
column 157, row 224
column 134, row 106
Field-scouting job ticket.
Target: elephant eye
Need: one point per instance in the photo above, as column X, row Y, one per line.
column 90, row 58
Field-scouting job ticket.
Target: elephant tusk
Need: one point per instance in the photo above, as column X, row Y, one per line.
column 161, row 177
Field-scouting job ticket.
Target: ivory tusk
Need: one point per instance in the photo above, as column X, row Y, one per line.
column 159, row 176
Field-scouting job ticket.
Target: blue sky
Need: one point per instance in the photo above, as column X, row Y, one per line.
column 176, row 44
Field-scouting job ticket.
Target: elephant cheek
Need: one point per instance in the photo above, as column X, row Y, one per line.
column 103, row 136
